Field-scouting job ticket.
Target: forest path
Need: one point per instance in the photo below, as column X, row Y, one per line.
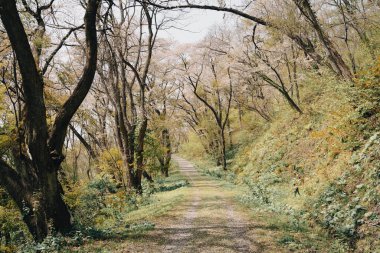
column 209, row 222
column 208, row 219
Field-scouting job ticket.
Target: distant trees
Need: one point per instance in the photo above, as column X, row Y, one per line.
column 163, row 96
column 218, row 101
column 30, row 175
column 267, row 56
column 166, row 146
column 271, row 68
column 206, row 88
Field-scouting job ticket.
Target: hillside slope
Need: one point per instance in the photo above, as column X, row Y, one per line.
column 330, row 153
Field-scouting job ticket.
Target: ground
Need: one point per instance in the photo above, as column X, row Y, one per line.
column 205, row 218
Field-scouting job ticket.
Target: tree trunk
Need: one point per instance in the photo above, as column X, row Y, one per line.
column 34, row 184
column 166, row 157
column 229, row 133
column 140, row 153
column 291, row 102
column 136, row 181
column 39, row 200
column 334, row 57
column 224, row 158
column 148, row 177
column 164, row 165
column 56, row 208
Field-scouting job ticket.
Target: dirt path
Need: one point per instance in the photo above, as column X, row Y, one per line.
column 207, row 220
column 211, row 223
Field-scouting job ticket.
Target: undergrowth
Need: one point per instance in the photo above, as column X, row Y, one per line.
column 101, row 209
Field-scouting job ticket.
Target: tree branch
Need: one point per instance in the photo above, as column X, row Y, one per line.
column 208, row 7
column 60, row 45
column 12, row 181
column 72, row 104
column 32, row 83
column 88, row 147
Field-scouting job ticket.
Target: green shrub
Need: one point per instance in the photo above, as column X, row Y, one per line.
column 51, row 244
column 100, row 199
column 13, row 231
column 287, row 239
column 170, row 186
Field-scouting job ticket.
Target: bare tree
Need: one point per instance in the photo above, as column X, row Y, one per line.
column 216, row 101
column 336, row 62
column 125, row 63
column 335, row 58
column 264, row 70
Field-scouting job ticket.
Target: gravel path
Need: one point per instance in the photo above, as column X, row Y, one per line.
column 208, row 219
column 211, row 223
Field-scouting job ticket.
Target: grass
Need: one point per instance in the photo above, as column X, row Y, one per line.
column 292, row 231
column 134, row 224
column 168, row 208
column 162, row 201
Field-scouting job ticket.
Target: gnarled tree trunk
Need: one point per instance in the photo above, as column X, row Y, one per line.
column 33, row 180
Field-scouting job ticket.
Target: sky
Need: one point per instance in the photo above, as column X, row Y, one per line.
column 191, row 27
column 195, row 25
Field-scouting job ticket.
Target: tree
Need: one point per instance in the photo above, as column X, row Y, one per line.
column 335, row 60
column 160, row 125
column 217, row 100
column 253, row 58
column 124, row 71
column 32, row 179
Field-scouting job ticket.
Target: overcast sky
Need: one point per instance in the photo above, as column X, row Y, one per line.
column 191, row 25
column 195, row 24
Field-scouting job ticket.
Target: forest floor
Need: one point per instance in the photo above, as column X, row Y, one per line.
column 205, row 218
